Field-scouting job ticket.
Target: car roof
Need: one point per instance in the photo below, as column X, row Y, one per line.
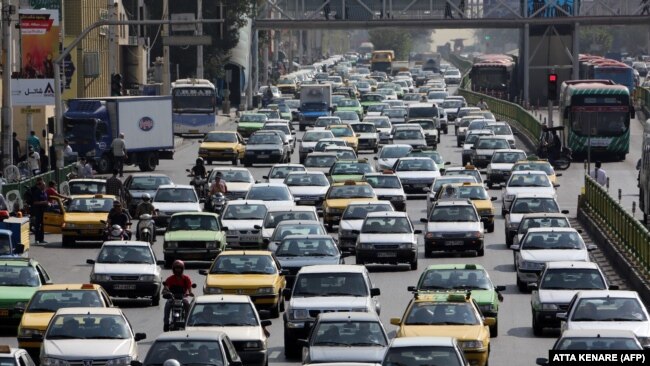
column 287, row 165
column 597, row 333
column 246, row 252
column 89, row 180
column 208, row 299
column 17, row 261
column 387, row 214
column 292, row 209
column 608, row 293
column 70, row 286
column 224, row 169
column 211, row 335
column 307, row 237
column 89, row 311
column 298, row 222
column 415, row 158
column 131, row 243
column 572, row 264
column 534, row 195
column 459, row 266
column 348, row 316
column 211, row 214
column 172, row 186
column 509, row 150
column 245, row 202
column 333, row 268
column 422, row 342
column 268, row 184
column 454, row 203
column 555, row 215
column 365, row 203
column 552, row 230
column 528, row 172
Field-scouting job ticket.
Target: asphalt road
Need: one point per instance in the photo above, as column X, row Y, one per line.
column 515, row 345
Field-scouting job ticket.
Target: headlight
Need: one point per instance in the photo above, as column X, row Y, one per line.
column 532, row 266
column 213, row 244
column 473, row 234
column 300, row 314
column 212, row 290
column 122, row 361
column 487, row 308
column 432, row 235
column 278, row 151
column 345, row 233
column 149, row 278
column 171, row 244
column 549, row 307
column 406, row 246
column 471, row 344
column 645, row 341
column 69, row 226
column 398, row 198
column 229, row 150
column 101, row 277
column 20, row 304
column 203, row 151
column 365, row 246
column 26, row 332
column 47, row 361
column 265, row 290
column 252, row 345
column 486, row 211
column 510, row 197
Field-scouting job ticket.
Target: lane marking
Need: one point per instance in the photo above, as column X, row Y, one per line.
column 274, row 354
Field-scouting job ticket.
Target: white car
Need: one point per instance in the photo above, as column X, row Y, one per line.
column 389, row 93
column 430, row 127
column 240, row 218
column 307, row 188
column 437, row 97
column 468, row 144
column 279, row 172
column 502, row 129
column 127, row 269
column 388, row 187
column 485, row 147
column 324, row 121
column 80, row 336
column 276, row 215
column 352, row 219
column 174, row 198
column 451, row 107
column 453, row 226
column 461, row 126
column 388, row 237
column 393, row 104
column 238, row 181
column 541, row 245
column 273, row 194
column 388, row 155
column 525, row 204
column 452, row 76
column 320, row 161
column 383, row 126
column 309, row 141
column 367, row 135
column 440, row 181
column 409, row 134
column 608, row 309
column 342, row 152
column 416, row 173
column 500, row 167
column 526, row 181
column 540, row 220
column 293, row 227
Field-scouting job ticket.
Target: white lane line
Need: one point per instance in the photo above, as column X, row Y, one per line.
column 274, row 354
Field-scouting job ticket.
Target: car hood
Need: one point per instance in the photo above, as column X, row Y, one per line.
column 640, row 329
column 412, row 142
column 256, row 147
column 319, row 354
column 309, row 144
column 323, row 169
column 351, row 224
column 217, row 145
column 515, row 218
column 252, row 333
column 17, row 293
column 368, row 135
column 238, row 186
column 36, row 320
column 86, row 217
column 299, row 262
column 329, row 302
column 416, row 174
column 177, row 206
column 453, row 226
column 387, row 162
column 501, row 166
column 556, row 296
column 389, row 192
column 138, row 193
column 539, row 190
column 87, row 348
column 125, row 268
column 554, row 255
column 195, row 235
column 308, row 191
column 239, row 281
column 387, row 238
column 461, row 332
column 342, row 203
column 241, row 224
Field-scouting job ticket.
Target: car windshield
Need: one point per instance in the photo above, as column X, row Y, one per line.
column 322, row 145
column 437, row 95
column 416, row 165
column 80, row 187
column 342, row 132
column 220, row 137
column 386, row 225
column 394, row 152
column 450, row 180
column 379, row 122
column 244, row 212
column 508, row 157
column 90, row 205
column 260, row 118
column 272, row 219
column 544, row 167
column 19, row 276
column 175, row 195
column 283, row 128
column 408, row 135
column 546, row 222
column 265, row 193
column 452, row 104
column 300, row 247
column 384, row 181
column 347, row 116
column 552, row 240
column 302, row 180
column 431, row 154
column 376, row 108
column 126, row 254
column 492, row 144
column 344, row 154
column 347, row 103
column 283, row 230
column 441, row 313
column 282, row 171
column 529, row 180
column 608, row 309
column 501, row 130
column 422, row 356
column 351, row 191
column 314, row 136
column 330, row 284
column 244, row 264
column 466, row 172
column 148, row 183
column 49, row 301
column 193, row 222
column 453, row 214
column 534, row 205
column 351, row 168
column 359, row 212
column 88, row 326
column 419, row 112
column 572, row 279
column 364, row 128
column 292, row 103
column 222, row 314
column 265, row 139
column 394, row 113
column 234, row 176
column 327, row 122
column 472, row 138
column 190, row 352
column 348, row 334
column 426, row 124
column 598, row 343
column 469, row 192
column 451, row 279
column 320, row 161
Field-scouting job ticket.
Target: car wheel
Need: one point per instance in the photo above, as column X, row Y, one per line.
column 538, row 329
column 490, row 228
column 508, row 240
column 489, row 185
column 521, row 285
column 414, row 265
column 155, row 299
column 275, row 311
column 67, row 241
column 235, row 162
column 359, row 261
column 494, row 330
column 291, row 349
column 481, row 252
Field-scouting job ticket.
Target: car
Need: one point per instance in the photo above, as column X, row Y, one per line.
column 431, row 154
column 346, row 133
column 342, row 152
column 541, row 245
column 203, row 347
column 46, row 301
column 416, row 173
column 500, row 166
column 418, row 351
column 136, row 185
column 447, row 278
column 456, row 315
column 533, row 164
column 294, row 105
column 608, row 310
column 272, row 194
column 409, row 134
column 283, row 127
column 528, row 203
column 240, row 218
column 293, row 227
column 596, row 340
column 267, row 147
column 270, row 113
column 439, row 182
column 346, row 337
column 451, row 107
column 324, row 121
column 193, row 236
column 468, row 145
column 525, row 182
column 484, row 148
column 238, row 181
column 347, row 116
column 15, row 357
column 453, row 226
column 127, row 269
column 502, row 129
column 368, row 136
column 276, row 215
column 249, row 122
column 19, row 280
column 320, row 161
column 383, row 126
column 452, row 76
column 350, row 105
column 371, row 99
column 437, row 96
column 88, row 335
column 322, row 144
column 255, row 273
column 349, row 170
column 461, row 125
column 557, row 285
column 174, row 198
column 236, row 316
column 476, row 193
column 388, row 93
column 389, row 238
column 395, row 116
column 431, row 129
column 222, row 146
column 274, row 90
column 308, row 142
column 297, row 251
column 323, row 289
column 279, row 172
column 307, row 188
column 388, row 187
column 540, row 220
column 82, row 218
column 389, row 154
column 86, row 186
column 340, row 195
column 467, row 170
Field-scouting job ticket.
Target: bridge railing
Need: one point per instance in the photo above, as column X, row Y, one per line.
column 643, row 98
column 16, row 191
column 631, row 236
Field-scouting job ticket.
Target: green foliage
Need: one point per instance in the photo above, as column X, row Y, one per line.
column 595, row 39
column 397, row 40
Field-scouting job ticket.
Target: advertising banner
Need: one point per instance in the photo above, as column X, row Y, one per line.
column 28, row 92
column 40, row 39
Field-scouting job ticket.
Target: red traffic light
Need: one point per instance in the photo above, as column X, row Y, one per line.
column 552, row 78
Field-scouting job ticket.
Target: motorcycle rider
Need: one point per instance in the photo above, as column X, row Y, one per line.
column 219, row 185
column 117, row 216
column 199, row 171
column 551, row 146
column 177, row 283
column 145, row 207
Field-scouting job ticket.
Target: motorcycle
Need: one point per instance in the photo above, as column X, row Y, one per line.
column 177, row 313
column 146, row 229
column 561, row 160
column 200, row 185
column 116, row 232
column 217, row 203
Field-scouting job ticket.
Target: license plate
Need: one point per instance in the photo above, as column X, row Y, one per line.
column 308, row 202
column 263, row 156
column 194, row 131
column 248, row 238
column 123, row 287
column 454, row 243
column 386, row 255
column 4, row 312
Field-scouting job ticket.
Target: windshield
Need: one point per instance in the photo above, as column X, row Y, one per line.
column 52, row 300
column 452, row 104
column 313, row 106
column 342, row 132
column 351, row 169
column 175, row 195
column 313, row 136
column 274, row 218
column 394, row 113
column 408, row 135
column 602, row 123
column 233, row 176
column 372, row 98
column 472, row 138
column 437, row 95
column 441, row 313
column 356, row 191
column 265, row 139
column 320, row 161
column 552, row 240
column 453, row 214
column 330, row 284
column 534, row 205
column 469, row 172
column 416, row 165
column 305, row 180
column 90, row 205
column 363, row 128
column 530, row 222
column 348, row 334
column 283, row 171
column 244, row 212
column 426, row 124
column 220, row 137
column 299, row 247
column 250, row 117
column 422, row 356
column 82, row 131
column 431, row 154
column 347, row 116
column 598, row 343
column 386, row 225
column 529, row 180
column 188, row 99
column 376, row 108
column 455, row 279
column 608, row 309
column 265, row 193
column 472, row 193
column 347, row 103
column 222, row 314
column 324, row 122
column 394, row 152
column 439, row 182
column 544, row 167
column 187, row 352
column 501, row 130
column 87, row 187
column 359, row 212
column 88, row 326
column 125, row 254
column 283, row 128
column 502, row 157
column 19, row 276
column 244, row 264
column 147, row 183
column 572, row 279
column 384, row 181
column 193, row 222
column 422, row 112
column 492, row 144
column 489, row 77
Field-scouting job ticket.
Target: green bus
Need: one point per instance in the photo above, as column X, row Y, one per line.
column 643, row 166
column 596, row 113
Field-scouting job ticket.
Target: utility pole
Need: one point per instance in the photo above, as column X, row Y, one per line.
column 112, row 38
column 166, row 78
column 7, row 116
column 199, row 32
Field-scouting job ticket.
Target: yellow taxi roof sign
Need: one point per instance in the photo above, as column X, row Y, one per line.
column 5, row 348
column 87, row 286
column 98, row 196
column 350, row 183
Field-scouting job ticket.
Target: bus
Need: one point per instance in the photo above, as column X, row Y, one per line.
column 382, row 61
column 598, row 111
column 644, row 174
column 495, row 75
column 366, row 47
column 194, row 106
column 596, row 67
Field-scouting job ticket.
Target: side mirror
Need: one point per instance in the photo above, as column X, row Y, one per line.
column 224, row 228
column 489, row 321
column 558, row 174
column 613, row 287
column 532, row 286
column 258, row 227
column 424, row 220
column 493, row 198
column 375, row 292
column 556, row 186
column 200, row 141
column 19, row 249
column 427, row 189
column 203, row 272
column 591, row 247
column 18, row 310
column 376, row 158
column 394, row 321
column 140, row 336
column 92, row 261
column 285, row 272
column 266, row 241
column 417, row 232
column 411, row 288
column 565, row 212
column 160, row 262
column 194, row 285
column 500, row 288
column 37, row 337
column 506, row 211
column 561, row 316
column 286, row 292
column 265, row 177
column 541, row 361
column 515, row 247
column 266, row 323
column 236, row 121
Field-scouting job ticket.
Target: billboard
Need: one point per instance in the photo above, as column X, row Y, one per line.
column 40, row 40
column 27, row 92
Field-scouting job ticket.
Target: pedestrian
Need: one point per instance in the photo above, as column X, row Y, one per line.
column 483, row 105
column 84, row 169
column 67, row 150
column 53, row 193
column 114, row 186
column 599, row 174
column 16, row 147
column 646, row 7
column 34, row 161
column 327, row 9
column 33, row 141
column 39, row 203
column 448, row 14
column 461, row 6
column 119, row 153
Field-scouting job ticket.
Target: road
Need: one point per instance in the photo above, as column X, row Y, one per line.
column 515, row 344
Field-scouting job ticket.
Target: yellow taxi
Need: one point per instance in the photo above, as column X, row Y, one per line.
column 340, row 195
column 222, row 146
column 47, row 300
column 468, row 169
column 537, row 164
column 448, row 315
column 347, row 134
column 474, row 192
column 80, row 219
column 256, row 273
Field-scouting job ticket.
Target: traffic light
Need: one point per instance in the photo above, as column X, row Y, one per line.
column 116, row 85
column 552, row 87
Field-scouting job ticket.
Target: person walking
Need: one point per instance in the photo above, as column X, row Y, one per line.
column 33, row 141
column 599, row 174
column 39, row 203
column 119, row 153
column 114, row 186
column 16, row 148
column 34, row 161
column 483, row 105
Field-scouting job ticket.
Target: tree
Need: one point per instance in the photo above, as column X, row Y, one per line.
column 397, row 40
column 597, row 39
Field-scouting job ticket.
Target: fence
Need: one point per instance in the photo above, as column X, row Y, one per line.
column 643, row 97
column 632, row 237
column 15, row 191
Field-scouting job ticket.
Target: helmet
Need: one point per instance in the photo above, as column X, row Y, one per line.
column 199, row 161
column 171, row 362
column 146, row 197
column 178, row 264
column 116, row 230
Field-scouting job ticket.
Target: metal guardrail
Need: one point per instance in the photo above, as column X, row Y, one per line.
column 643, row 97
column 24, row 185
column 462, row 64
column 633, row 238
